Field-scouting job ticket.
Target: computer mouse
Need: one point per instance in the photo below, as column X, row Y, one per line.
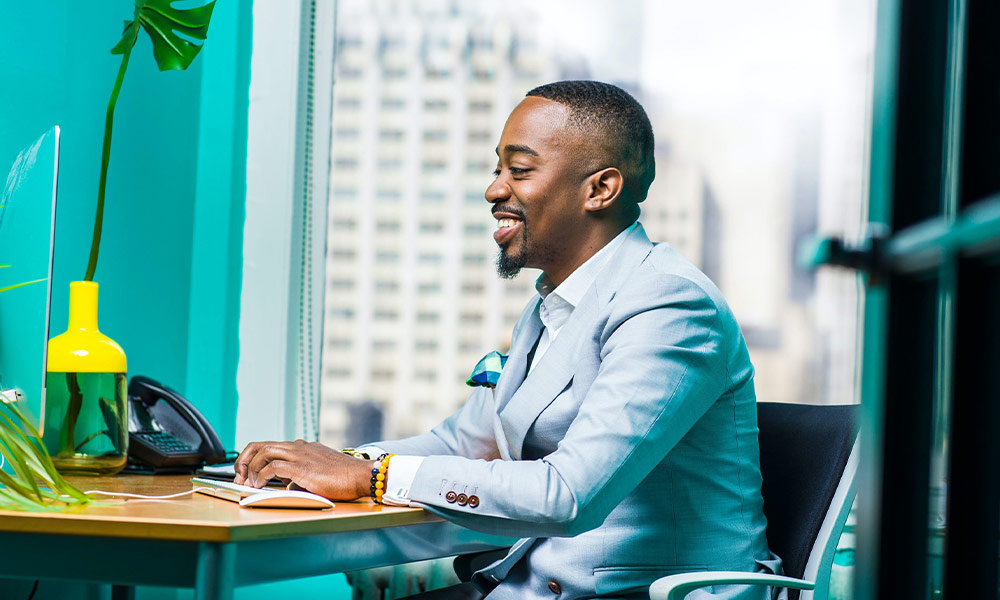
column 285, row 499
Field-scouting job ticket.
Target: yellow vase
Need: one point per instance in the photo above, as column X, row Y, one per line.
column 86, row 412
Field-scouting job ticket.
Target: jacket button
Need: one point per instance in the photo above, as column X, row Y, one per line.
column 462, row 500
column 451, row 496
column 473, row 501
column 554, row 587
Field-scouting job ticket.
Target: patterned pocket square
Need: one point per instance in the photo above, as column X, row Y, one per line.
column 487, row 371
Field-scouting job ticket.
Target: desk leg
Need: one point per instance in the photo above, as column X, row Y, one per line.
column 214, row 578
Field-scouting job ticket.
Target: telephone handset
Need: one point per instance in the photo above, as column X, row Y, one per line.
column 166, row 431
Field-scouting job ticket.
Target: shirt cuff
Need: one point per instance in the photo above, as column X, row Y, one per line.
column 402, row 470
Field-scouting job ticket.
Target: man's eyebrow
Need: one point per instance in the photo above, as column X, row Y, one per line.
column 515, row 148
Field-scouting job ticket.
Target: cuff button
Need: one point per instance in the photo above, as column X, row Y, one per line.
column 473, row 501
column 451, row 497
column 462, row 500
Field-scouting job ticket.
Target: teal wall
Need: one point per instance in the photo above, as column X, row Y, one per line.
column 170, row 265
column 170, row 262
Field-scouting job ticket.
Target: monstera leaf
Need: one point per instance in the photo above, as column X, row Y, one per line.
column 164, row 24
column 172, row 31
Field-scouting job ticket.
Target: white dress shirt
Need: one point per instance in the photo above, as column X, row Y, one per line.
column 557, row 306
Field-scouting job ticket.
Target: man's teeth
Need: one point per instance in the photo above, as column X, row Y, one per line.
column 503, row 223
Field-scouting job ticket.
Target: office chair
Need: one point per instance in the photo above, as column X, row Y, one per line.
column 808, row 461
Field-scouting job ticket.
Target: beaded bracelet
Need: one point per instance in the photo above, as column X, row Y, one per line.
column 379, row 476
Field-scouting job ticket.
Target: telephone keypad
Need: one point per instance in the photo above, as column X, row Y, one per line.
column 166, row 442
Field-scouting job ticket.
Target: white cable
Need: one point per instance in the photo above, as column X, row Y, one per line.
column 144, row 497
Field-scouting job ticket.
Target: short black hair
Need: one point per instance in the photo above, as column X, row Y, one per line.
column 612, row 113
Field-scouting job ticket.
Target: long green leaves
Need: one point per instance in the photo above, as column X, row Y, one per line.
column 23, row 451
column 171, row 31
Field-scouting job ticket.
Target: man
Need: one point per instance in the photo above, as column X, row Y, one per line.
column 621, row 439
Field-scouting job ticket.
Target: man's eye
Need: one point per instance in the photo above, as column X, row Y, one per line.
column 516, row 171
column 496, row 172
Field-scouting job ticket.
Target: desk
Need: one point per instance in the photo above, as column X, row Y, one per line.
column 213, row 545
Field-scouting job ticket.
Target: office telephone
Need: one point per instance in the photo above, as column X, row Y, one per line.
column 166, row 432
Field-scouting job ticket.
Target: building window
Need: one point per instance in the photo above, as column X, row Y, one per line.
column 391, row 135
column 385, row 287
column 425, row 316
column 387, row 195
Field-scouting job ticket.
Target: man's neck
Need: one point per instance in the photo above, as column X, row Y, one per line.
column 586, row 251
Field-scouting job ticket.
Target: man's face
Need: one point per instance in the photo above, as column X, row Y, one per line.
column 537, row 194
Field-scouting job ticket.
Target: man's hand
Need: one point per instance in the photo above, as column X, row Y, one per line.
column 307, row 465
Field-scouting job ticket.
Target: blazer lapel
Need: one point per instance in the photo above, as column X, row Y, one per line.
column 553, row 371
column 519, row 404
column 513, row 372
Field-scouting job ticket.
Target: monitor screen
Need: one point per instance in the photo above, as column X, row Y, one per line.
column 27, row 228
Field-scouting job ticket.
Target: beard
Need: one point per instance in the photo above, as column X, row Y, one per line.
column 509, row 265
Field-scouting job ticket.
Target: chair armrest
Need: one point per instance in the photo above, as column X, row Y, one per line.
column 675, row 587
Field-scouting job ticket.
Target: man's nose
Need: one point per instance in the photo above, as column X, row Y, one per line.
column 498, row 191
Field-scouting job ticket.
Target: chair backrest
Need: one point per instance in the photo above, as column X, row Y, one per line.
column 808, row 463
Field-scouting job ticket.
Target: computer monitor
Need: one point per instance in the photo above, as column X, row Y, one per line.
column 27, row 232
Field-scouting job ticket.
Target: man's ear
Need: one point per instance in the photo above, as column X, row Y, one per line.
column 603, row 189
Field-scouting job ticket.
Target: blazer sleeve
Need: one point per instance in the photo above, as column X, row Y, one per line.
column 468, row 432
column 663, row 365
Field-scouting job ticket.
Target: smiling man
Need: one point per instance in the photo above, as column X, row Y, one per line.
column 620, row 442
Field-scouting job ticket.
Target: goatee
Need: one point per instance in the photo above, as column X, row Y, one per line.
column 508, row 266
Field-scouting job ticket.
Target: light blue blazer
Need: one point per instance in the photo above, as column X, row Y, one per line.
column 630, row 451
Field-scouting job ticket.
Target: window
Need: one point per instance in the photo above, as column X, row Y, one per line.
column 390, row 135
column 383, row 286
column 393, row 103
column 428, row 317
column 724, row 170
column 341, row 284
column 432, row 196
column 388, row 195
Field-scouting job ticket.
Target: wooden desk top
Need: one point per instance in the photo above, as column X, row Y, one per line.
column 198, row 517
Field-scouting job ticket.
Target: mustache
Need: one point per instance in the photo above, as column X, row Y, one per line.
column 512, row 210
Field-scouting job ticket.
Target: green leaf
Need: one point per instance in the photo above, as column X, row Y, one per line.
column 21, row 446
column 171, row 31
column 17, row 285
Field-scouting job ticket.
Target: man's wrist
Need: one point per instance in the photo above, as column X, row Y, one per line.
column 361, row 474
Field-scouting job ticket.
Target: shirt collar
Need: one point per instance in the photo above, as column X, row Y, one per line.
column 573, row 288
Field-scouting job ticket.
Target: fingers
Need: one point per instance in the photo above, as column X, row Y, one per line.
column 244, row 459
column 258, row 454
column 276, row 468
column 266, row 454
